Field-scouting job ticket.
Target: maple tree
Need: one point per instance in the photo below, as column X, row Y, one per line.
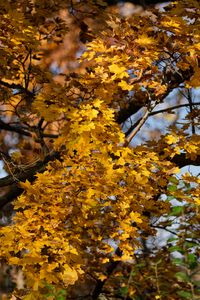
column 88, row 197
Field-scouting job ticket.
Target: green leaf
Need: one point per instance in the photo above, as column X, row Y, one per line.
column 189, row 245
column 172, row 239
column 187, row 185
column 61, row 297
column 178, row 261
column 182, row 276
column 192, row 260
column 177, row 210
column 133, row 273
column 174, row 180
column 176, row 248
column 172, row 188
column 185, row 295
column 124, row 291
column 49, row 286
column 169, row 198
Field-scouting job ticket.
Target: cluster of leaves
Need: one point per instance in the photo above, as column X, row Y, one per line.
column 90, row 201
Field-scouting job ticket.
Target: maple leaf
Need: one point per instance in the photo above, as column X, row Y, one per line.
column 119, row 72
column 171, row 139
column 145, row 40
column 126, row 87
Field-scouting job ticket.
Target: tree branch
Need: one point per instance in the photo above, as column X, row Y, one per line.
column 189, row 97
column 140, row 124
column 18, row 129
column 172, row 108
column 176, row 78
column 29, row 172
column 181, row 160
column 8, row 127
column 126, row 113
column 153, row 113
column 12, row 194
column 110, row 269
column 17, row 87
column 174, row 233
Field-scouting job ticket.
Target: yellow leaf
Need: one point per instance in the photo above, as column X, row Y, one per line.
column 69, row 275
column 16, row 42
column 97, row 103
column 171, row 139
column 14, row 260
column 105, row 260
column 144, row 40
column 195, row 82
column 35, row 285
column 125, row 86
column 102, row 277
column 28, row 297
column 135, row 217
column 120, row 72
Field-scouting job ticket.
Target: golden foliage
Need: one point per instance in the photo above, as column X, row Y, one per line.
column 100, row 189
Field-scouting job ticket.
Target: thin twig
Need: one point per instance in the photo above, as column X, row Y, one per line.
column 140, row 124
column 17, row 129
column 17, row 87
column 172, row 108
column 161, row 111
column 15, row 179
column 157, row 280
column 23, row 131
column 174, row 233
column 189, row 98
column 29, row 172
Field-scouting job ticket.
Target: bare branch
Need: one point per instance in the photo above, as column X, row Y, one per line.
column 189, row 97
column 140, row 124
column 17, row 129
column 29, row 172
column 173, row 107
column 17, row 87
column 181, row 160
column 177, row 78
column 20, row 130
column 174, row 233
column 161, row 111
column 11, row 195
